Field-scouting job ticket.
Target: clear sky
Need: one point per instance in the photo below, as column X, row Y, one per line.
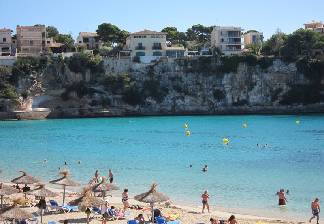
column 72, row 16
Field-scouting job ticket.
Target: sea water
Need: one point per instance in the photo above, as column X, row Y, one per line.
column 269, row 153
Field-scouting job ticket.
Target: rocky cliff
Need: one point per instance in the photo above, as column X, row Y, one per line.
column 182, row 86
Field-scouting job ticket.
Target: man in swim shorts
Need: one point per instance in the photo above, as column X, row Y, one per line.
column 282, row 197
column 315, row 210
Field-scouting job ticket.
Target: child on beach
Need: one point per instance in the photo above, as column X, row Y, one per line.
column 125, row 199
column 282, row 197
column 205, row 197
column 315, row 210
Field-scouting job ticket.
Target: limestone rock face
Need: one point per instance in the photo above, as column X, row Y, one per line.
column 183, row 89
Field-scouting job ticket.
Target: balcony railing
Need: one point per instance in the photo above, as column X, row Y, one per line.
column 139, row 48
column 157, row 48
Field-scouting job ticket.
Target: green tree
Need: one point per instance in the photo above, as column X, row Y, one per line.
column 65, row 39
column 110, row 33
column 273, row 45
column 52, row 31
column 199, row 33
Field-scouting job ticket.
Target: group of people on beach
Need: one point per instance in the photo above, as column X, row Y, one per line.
column 282, row 201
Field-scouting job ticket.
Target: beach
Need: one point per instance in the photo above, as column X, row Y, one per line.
column 187, row 214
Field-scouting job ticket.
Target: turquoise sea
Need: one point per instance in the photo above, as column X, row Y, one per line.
column 273, row 152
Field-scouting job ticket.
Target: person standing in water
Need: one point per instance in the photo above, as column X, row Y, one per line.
column 282, row 197
column 205, row 197
column 96, row 176
column 315, row 210
column 205, row 169
column 111, row 176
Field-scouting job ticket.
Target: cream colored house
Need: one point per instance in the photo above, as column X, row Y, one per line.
column 88, row 40
column 5, row 42
column 315, row 26
column 252, row 37
column 146, row 43
column 228, row 39
column 31, row 40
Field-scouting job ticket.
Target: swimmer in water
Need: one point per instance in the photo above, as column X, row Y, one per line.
column 205, row 169
column 65, row 163
column 79, row 162
column 190, row 166
column 282, row 198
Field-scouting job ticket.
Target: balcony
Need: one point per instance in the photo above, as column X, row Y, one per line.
column 139, row 48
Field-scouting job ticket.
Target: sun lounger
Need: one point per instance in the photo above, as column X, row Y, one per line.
column 65, row 208
column 132, row 222
column 69, row 208
column 161, row 220
column 51, row 222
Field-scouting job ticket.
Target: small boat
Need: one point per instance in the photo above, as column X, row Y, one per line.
column 34, row 114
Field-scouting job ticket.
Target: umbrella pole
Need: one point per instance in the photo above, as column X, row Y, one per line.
column 41, row 215
column 152, row 205
column 63, row 193
column 1, row 201
column 88, row 215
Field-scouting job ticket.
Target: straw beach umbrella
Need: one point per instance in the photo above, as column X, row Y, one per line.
column 65, row 181
column 6, row 190
column 103, row 187
column 14, row 213
column 86, row 201
column 42, row 192
column 151, row 197
column 25, row 179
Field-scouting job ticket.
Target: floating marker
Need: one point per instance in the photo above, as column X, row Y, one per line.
column 226, row 141
column 298, row 122
column 185, row 126
column 188, row 133
column 245, row 125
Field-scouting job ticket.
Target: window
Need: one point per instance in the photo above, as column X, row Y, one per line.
column 157, row 46
column 31, row 42
column 140, row 53
column 4, row 40
column 85, row 39
column 157, row 53
column 48, row 42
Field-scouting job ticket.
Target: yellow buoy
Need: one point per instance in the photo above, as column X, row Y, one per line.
column 245, row 125
column 226, row 141
column 185, row 126
column 298, row 122
column 188, row 133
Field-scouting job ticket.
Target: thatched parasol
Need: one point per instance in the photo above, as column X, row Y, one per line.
column 103, row 187
column 25, row 179
column 6, row 190
column 42, row 192
column 14, row 212
column 87, row 201
column 65, row 180
column 151, row 197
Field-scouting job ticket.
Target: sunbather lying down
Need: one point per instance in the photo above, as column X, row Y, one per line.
column 113, row 213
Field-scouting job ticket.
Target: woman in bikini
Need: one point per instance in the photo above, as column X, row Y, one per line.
column 205, row 197
column 282, row 197
column 125, row 199
column 315, row 210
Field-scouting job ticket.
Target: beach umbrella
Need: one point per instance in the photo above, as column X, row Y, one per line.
column 6, row 190
column 14, row 213
column 42, row 192
column 87, row 201
column 65, row 181
column 151, row 197
column 25, row 179
column 103, row 187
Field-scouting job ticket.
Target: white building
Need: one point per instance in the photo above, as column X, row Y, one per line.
column 150, row 45
column 5, row 42
column 88, row 40
column 228, row 39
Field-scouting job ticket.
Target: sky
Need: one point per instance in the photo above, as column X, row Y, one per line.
column 71, row 16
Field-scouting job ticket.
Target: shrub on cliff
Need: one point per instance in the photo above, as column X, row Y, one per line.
column 26, row 66
column 117, row 83
column 152, row 88
column 132, row 95
column 81, row 62
column 80, row 88
column 302, row 94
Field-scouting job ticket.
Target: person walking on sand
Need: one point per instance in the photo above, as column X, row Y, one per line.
column 205, row 197
column 125, row 199
column 282, row 197
column 315, row 210
column 111, row 176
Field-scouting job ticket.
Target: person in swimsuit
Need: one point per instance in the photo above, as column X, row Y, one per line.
column 232, row 220
column 282, row 197
column 96, row 176
column 205, row 197
column 125, row 199
column 205, row 168
column 213, row 221
column 315, row 210
column 111, row 176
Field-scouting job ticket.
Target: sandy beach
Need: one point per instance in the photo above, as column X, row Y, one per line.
column 187, row 214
